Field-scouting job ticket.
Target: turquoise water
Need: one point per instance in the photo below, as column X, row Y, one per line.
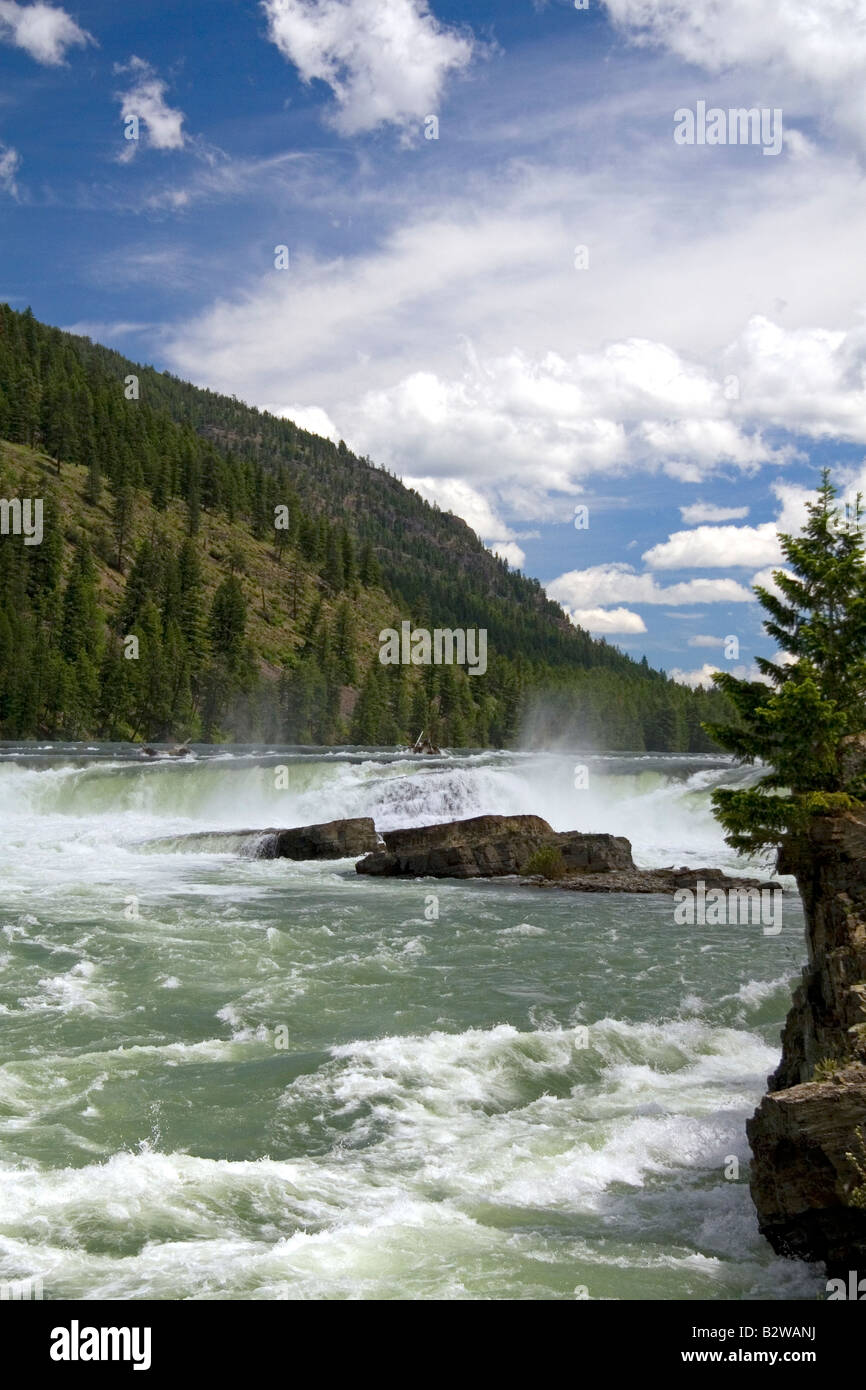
column 225, row 1077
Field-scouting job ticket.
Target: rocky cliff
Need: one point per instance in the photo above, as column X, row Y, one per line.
column 808, row 1135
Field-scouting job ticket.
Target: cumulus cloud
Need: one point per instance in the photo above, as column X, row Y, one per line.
column 9, row 162
column 146, row 100
column 607, row 620
column 814, row 50
column 308, row 417
column 510, row 551
column 764, row 579
column 703, row 676
column 386, row 61
column 556, row 385
column 716, row 547
column 41, row 30
column 629, row 405
column 697, row 512
column 617, row 583
column 808, row 379
column 457, row 496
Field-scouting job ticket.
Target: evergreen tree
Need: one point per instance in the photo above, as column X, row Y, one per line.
column 122, row 517
column 794, row 724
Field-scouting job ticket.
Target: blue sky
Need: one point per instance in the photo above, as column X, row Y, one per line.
column 684, row 378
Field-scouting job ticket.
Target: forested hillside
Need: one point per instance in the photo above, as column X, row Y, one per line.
column 160, row 502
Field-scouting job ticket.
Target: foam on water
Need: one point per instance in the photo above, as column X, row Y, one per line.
column 438, row 1124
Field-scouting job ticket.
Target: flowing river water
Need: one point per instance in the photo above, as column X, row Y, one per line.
column 231, row 1078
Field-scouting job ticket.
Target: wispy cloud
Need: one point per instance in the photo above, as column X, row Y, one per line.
column 41, row 30
column 696, row 512
column 9, row 162
column 800, row 48
column 145, row 102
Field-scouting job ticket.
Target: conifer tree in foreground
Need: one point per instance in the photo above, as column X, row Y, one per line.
column 817, row 694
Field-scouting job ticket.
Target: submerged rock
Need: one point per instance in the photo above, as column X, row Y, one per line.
column 803, row 1181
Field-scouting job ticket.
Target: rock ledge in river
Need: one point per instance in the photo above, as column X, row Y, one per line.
column 490, row 847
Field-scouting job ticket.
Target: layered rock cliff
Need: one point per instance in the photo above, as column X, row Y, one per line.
column 808, row 1135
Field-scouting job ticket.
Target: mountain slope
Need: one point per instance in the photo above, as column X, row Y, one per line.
column 256, row 564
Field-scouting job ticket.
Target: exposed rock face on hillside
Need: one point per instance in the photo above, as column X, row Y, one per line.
column 802, row 1179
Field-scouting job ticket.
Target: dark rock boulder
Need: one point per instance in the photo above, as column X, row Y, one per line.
column 805, row 1169
column 334, row 839
column 490, row 847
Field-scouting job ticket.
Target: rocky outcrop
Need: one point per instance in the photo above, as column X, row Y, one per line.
column 804, row 1170
column 669, row 881
column 495, row 846
column 804, row 1130
column 333, row 839
column 490, row 847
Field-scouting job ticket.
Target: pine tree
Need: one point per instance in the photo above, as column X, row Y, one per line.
column 344, row 644
column 228, row 618
column 369, row 572
column 122, row 517
column 794, row 723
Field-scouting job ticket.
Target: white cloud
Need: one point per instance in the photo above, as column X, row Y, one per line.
column 457, row 496
column 608, row 411
column 41, row 30
column 510, row 551
column 701, row 639
column 697, row 512
column 308, row 417
column 102, row 330
column 811, row 50
column 557, row 384
column 764, row 579
column 618, row 583
column 607, row 620
column 716, row 547
column 146, row 100
column 792, row 499
column 384, row 60
column 9, row 162
column 703, row 676
column 808, row 379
